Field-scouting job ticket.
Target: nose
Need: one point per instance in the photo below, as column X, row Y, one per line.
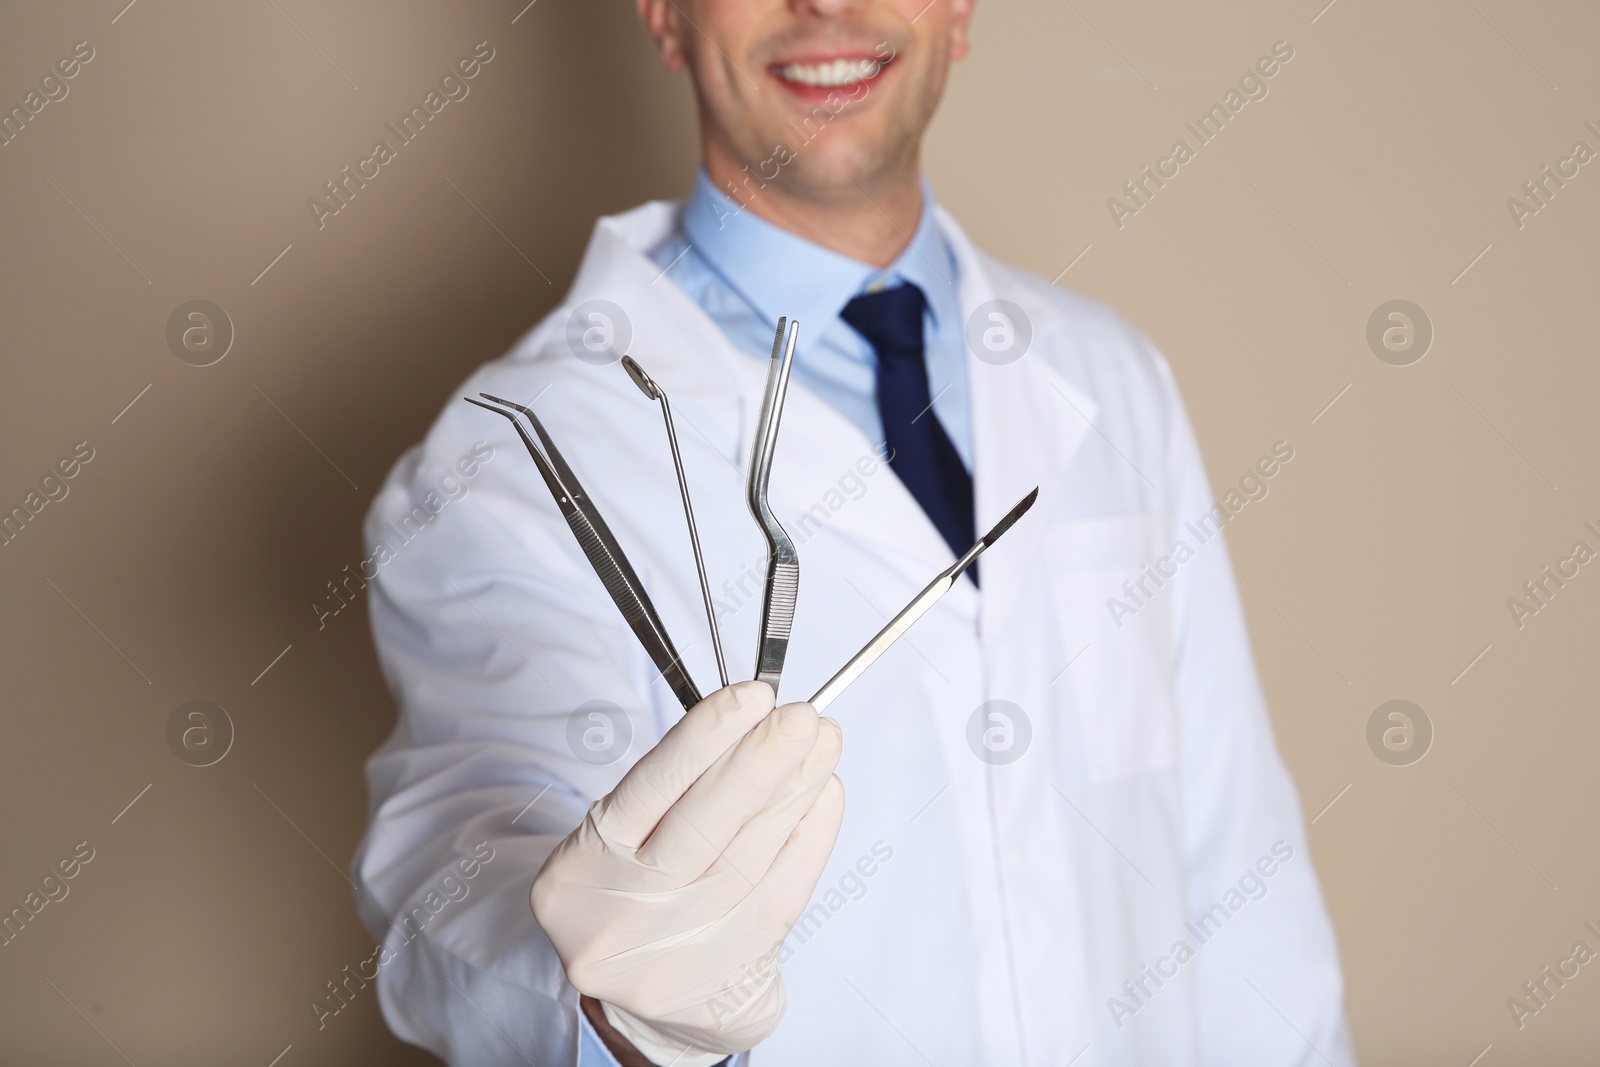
column 823, row 8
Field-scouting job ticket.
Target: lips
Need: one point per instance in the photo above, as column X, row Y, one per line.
column 815, row 78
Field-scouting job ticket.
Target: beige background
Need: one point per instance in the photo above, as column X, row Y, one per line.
column 189, row 551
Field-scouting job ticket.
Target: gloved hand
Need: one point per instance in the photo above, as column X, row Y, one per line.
column 670, row 901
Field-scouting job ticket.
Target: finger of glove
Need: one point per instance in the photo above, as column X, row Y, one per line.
column 758, row 842
column 741, row 939
column 674, row 907
column 784, row 891
column 696, row 830
column 707, row 731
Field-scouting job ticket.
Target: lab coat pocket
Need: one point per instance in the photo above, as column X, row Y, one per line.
column 1120, row 636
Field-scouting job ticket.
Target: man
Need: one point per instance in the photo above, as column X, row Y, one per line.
column 1069, row 837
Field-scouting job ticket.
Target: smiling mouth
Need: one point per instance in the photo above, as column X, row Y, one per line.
column 832, row 74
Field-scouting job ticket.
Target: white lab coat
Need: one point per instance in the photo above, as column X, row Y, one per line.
column 973, row 912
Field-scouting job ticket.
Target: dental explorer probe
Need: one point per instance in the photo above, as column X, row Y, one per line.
column 647, row 385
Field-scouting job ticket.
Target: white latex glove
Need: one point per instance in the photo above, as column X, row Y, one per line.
column 669, row 903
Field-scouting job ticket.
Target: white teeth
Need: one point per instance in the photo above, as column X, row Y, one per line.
column 839, row 72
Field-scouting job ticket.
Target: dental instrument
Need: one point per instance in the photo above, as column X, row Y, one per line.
column 601, row 549
column 647, row 385
column 917, row 608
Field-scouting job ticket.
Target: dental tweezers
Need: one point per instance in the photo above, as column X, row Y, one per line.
column 601, row 549
column 917, row 608
column 783, row 562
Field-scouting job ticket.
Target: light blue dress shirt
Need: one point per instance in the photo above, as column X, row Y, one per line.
column 746, row 272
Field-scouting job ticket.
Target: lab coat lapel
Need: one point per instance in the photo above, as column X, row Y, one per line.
column 1028, row 421
column 822, row 458
column 667, row 332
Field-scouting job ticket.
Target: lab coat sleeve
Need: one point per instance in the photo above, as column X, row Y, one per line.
column 492, row 631
column 1269, row 981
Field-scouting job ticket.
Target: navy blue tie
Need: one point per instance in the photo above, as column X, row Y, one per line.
column 920, row 452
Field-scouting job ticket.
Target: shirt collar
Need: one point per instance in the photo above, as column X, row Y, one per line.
column 927, row 262
column 780, row 273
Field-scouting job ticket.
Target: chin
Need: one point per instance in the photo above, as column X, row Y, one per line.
column 816, row 153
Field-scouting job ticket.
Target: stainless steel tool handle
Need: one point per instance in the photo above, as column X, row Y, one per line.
column 917, row 608
column 600, row 548
column 783, row 562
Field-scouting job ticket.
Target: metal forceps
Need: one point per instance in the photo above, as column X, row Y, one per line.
column 601, row 549
column 783, row 562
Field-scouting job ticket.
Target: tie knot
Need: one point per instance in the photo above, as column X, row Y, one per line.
column 890, row 319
